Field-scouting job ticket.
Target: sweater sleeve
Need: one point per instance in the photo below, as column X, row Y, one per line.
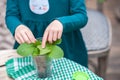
column 12, row 17
column 78, row 16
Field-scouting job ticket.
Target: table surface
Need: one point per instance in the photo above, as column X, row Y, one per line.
column 4, row 56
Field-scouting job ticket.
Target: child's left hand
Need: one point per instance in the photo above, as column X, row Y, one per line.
column 52, row 32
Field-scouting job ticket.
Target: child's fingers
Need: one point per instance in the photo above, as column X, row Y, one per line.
column 59, row 34
column 55, row 35
column 25, row 37
column 50, row 36
column 30, row 36
column 19, row 39
column 44, row 39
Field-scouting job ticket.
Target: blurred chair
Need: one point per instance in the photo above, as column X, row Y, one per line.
column 6, row 39
column 97, row 35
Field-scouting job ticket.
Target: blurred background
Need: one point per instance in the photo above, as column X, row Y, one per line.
column 110, row 8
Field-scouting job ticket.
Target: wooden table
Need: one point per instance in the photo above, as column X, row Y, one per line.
column 4, row 56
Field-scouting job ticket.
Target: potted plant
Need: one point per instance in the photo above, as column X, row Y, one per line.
column 42, row 57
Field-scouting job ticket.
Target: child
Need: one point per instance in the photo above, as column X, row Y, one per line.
column 52, row 20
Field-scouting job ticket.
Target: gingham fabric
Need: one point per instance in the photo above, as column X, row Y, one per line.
column 23, row 69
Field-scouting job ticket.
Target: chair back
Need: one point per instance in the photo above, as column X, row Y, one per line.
column 97, row 32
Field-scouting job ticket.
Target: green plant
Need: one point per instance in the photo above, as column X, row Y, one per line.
column 35, row 49
column 101, row 1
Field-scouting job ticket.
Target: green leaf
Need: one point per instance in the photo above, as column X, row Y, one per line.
column 25, row 49
column 38, row 42
column 45, row 50
column 57, row 42
column 56, row 52
column 36, row 52
column 80, row 76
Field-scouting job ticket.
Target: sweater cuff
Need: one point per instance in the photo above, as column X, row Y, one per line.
column 64, row 22
column 13, row 29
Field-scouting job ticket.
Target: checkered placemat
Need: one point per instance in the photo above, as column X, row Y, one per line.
column 63, row 69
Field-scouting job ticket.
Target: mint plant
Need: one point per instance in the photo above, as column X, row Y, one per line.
column 35, row 49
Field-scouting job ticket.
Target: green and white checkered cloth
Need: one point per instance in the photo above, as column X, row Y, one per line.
column 63, row 69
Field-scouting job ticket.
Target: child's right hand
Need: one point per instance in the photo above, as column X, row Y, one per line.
column 23, row 34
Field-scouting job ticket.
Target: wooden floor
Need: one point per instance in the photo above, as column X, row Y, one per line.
column 113, row 70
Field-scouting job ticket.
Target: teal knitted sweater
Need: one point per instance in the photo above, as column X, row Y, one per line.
column 71, row 13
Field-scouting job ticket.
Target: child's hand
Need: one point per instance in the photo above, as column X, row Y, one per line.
column 52, row 32
column 23, row 34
